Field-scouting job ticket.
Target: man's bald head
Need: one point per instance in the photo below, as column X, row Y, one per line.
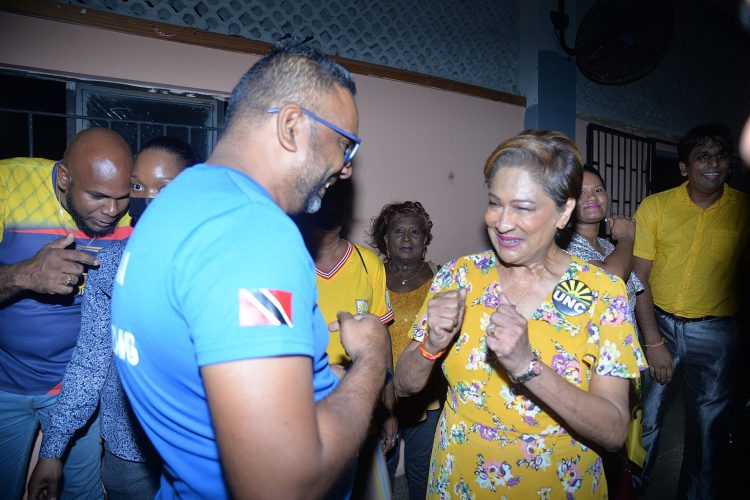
column 94, row 178
column 98, row 144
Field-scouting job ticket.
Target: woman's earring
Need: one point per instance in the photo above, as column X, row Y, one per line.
column 424, row 253
column 388, row 254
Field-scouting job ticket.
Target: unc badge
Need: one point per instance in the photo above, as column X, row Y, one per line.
column 572, row 297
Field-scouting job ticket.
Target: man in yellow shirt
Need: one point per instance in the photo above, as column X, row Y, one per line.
column 352, row 278
column 688, row 245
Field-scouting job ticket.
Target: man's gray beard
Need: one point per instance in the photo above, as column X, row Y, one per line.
column 313, row 200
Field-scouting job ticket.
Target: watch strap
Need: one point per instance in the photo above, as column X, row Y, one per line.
column 534, row 370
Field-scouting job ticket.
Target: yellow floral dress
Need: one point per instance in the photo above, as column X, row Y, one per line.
column 494, row 439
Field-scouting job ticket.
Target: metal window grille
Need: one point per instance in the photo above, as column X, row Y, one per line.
column 80, row 122
column 625, row 162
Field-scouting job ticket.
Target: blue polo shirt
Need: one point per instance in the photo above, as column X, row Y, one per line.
column 215, row 272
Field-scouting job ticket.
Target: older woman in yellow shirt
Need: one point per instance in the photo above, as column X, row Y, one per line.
column 402, row 233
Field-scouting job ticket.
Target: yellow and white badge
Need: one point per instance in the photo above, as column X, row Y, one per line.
column 572, row 297
column 361, row 306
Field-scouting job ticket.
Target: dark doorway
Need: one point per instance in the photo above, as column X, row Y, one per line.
column 666, row 172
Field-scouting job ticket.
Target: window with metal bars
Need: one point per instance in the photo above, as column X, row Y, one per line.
column 624, row 161
column 39, row 115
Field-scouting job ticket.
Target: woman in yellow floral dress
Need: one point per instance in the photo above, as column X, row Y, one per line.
column 537, row 346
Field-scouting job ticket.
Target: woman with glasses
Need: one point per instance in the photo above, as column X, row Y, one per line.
column 130, row 466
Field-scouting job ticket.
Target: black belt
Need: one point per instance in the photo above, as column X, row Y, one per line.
column 686, row 320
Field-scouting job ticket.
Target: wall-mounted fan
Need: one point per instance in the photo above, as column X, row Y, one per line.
column 619, row 41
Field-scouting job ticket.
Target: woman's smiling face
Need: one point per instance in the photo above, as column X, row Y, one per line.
column 593, row 203
column 521, row 218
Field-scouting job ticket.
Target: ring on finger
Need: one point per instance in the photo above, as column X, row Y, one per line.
column 71, row 280
column 491, row 329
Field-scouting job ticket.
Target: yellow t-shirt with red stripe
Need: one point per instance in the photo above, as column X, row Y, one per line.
column 356, row 284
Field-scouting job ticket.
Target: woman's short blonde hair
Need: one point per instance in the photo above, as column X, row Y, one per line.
column 550, row 156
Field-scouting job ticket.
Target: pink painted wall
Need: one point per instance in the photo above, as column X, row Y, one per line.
column 418, row 143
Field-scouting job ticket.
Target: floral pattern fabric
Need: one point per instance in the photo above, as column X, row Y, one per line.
column 582, row 249
column 495, row 439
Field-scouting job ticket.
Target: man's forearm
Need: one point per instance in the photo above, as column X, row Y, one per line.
column 389, row 394
column 11, row 284
column 644, row 313
column 344, row 416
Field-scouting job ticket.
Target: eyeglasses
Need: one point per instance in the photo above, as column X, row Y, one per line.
column 351, row 148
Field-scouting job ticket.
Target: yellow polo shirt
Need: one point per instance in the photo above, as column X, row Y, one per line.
column 355, row 285
column 695, row 251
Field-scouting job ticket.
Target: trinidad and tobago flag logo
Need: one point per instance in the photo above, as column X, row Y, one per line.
column 261, row 306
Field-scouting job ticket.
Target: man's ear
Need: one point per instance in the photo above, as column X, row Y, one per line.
column 63, row 176
column 288, row 126
column 683, row 169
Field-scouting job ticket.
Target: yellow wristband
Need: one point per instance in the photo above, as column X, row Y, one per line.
column 427, row 355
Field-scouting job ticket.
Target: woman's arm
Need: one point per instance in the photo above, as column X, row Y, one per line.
column 88, row 367
column 445, row 313
column 600, row 414
column 413, row 370
column 84, row 378
column 620, row 261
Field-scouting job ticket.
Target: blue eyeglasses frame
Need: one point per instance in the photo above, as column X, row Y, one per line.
column 351, row 149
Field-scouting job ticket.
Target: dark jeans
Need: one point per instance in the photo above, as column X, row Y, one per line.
column 705, row 354
column 418, row 440
column 126, row 480
column 20, row 418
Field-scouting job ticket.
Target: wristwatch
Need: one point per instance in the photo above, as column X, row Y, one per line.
column 535, row 369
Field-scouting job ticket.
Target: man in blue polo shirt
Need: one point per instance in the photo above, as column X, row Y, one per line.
column 216, row 330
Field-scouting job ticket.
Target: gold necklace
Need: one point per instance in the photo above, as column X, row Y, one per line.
column 507, row 290
column 405, row 281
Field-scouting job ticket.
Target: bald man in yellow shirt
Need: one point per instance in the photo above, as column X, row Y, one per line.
column 688, row 245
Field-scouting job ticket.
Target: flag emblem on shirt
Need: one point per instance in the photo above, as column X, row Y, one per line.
column 261, row 306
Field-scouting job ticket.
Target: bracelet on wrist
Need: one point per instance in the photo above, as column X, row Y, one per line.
column 534, row 370
column 661, row 342
column 427, row 355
